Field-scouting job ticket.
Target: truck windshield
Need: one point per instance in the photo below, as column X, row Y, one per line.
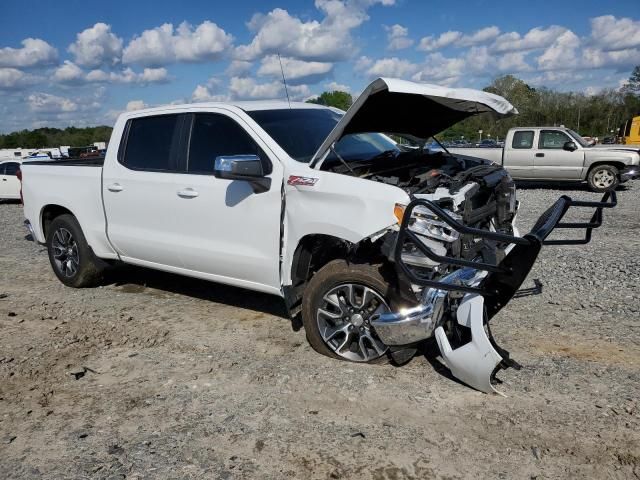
column 576, row 136
column 300, row 132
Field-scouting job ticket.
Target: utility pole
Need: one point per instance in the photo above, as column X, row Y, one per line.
column 578, row 120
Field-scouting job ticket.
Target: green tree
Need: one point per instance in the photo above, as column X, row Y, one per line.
column 338, row 99
column 633, row 84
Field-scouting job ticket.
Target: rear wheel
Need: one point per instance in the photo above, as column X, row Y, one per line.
column 337, row 306
column 602, row 178
column 71, row 258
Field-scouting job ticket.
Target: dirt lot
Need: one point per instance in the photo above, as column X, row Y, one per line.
column 157, row 376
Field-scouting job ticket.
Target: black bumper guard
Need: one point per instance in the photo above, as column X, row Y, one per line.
column 505, row 278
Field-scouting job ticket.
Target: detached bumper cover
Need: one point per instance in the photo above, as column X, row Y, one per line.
column 488, row 287
column 475, row 362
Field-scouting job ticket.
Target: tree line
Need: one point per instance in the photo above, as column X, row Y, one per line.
column 590, row 115
column 54, row 137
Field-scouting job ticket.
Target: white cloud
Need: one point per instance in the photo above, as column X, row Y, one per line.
column 48, row 103
column 562, row 54
column 202, row 93
column 596, row 58
column 512, row 62
column 392, row 67
column 96, row 46
column 611, row 33
column 458, row 39
column 162, row 45
column 362, row 64
column 482, row 36
column 334, row 86
column 69, row 73
column 430, row 43
column 398, row 37
column 248, row 88
column 14, row 79
column 34, row 52
column 535, row 38
column 295, row 71
column 440, row 69
column 135, row 105
column 148, row 75
column 326, row 40
column 238, row 68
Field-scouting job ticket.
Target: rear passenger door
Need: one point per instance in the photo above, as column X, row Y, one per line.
column 518, row 155
column 232, row 232
column 552, row 162
column 9, row 183
column 140, row 192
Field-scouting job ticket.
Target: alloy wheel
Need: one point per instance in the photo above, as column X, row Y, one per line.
column 343, row 321
column 65, row 252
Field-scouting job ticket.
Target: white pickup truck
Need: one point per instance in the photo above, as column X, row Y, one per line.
column 378, row 248
column 560, row 154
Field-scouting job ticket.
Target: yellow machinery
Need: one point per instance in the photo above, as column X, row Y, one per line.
column 630, row 131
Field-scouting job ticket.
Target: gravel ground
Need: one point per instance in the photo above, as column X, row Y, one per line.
column 157, row 376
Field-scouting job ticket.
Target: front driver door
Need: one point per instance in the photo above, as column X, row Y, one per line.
column 552, row 162
column 232, row 234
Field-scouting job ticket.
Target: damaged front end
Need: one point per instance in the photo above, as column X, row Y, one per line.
column 456, row 307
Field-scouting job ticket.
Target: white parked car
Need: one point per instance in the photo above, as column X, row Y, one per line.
column 378, row 248
column 9, row 183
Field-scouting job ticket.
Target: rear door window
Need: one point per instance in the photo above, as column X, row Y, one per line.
column 153, row 143
column 215, row 135
column 11, row 168
column 552, row 139
column 522, row 139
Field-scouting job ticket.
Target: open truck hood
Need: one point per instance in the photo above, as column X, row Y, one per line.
column 398, row 106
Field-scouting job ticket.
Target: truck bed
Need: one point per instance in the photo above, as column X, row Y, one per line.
column 70, row 185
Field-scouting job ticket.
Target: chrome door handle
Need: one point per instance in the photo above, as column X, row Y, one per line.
column 115, row 187
column 187, row 193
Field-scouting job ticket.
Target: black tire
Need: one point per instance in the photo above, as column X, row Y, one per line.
column 75, row 265
column 603, row 178
column 333, row 275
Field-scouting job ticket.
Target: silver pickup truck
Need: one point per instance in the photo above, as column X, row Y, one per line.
column 558, row 153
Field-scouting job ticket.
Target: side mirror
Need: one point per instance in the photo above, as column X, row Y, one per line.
column 569, row 146
column 243, row 167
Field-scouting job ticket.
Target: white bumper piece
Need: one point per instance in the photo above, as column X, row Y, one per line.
column 474, row 362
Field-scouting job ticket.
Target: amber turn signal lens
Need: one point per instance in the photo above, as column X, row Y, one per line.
column 398, row 212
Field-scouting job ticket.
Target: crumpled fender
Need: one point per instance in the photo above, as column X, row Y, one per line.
column 474, row 362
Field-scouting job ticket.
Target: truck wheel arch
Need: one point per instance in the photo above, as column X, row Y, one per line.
column 49, row 213
column 312, row 252
column 618, row 165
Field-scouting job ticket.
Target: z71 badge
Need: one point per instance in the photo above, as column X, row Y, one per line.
column 296, row 180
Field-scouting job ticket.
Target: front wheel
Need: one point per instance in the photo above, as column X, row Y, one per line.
column 337, row 306
column 72, row 260
column 602, row 178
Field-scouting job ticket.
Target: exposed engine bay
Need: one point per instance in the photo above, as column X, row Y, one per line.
column 477, row 193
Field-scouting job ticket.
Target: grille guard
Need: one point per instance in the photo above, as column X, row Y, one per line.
column 504, row 279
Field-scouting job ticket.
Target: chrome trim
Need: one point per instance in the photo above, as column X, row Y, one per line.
column 418, row 323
